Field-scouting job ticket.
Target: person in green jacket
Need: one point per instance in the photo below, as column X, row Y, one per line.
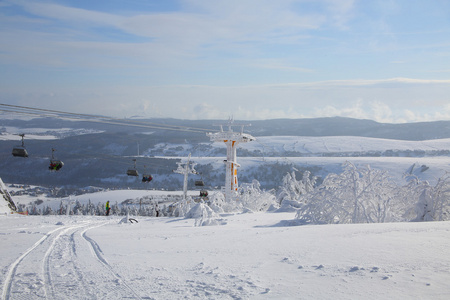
column 107, row 208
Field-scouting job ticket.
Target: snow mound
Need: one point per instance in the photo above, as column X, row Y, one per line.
column 200, row 210
column 289, row 206
column 210, row 222
column 204, row 216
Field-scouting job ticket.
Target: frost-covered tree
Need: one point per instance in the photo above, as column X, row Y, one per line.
column 251, row 197
column 181, row 208
column 90, row 209
column 217, row 202
column 432, row 202
column 115, row 210
column 77, row 208
column 48, row 211
column 100, row 209
column 357, row 195
column 292, row 189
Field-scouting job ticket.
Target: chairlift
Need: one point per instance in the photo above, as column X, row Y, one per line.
column 203, row 193
column 20, row 151
column 55, row 164
column 199, row 183
column 133, row 171
column 146, row 177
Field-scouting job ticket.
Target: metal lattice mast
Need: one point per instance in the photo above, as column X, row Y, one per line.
column 231, row 140
column 185, row 169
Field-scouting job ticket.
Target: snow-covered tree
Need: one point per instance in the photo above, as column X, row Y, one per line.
column 253, row 198
column 357, row 195
column 182, row 207
column 432, row 202
column 293, row 189
column 115, row 210
column 78, row 208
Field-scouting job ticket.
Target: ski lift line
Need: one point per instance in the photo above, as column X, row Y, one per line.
column 98, row 118
column 122, row 123
column 105, row 157
column 25, row 113
column 115, row 159
column 50, row 110
column 109, row 158
column 122, row 161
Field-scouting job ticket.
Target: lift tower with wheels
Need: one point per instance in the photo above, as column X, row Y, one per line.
column 185, row 169
column 231, row 140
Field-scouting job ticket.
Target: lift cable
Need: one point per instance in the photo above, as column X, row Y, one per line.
column 94, row 118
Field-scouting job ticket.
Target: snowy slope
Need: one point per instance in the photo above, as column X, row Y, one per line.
column 9, row 133
column 252, row 256
column 343, row 144
column 280, row 146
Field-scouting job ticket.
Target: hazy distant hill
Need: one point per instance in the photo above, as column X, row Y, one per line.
column 335, row 126
column 98, row 154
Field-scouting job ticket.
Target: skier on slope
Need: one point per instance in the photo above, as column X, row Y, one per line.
column 107, row 208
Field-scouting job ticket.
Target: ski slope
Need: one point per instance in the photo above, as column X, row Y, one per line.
column 251, row 256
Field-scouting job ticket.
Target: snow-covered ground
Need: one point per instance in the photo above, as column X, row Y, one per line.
column 341, row 144
column 251, row 256
column 247, row 256
column 12, row 133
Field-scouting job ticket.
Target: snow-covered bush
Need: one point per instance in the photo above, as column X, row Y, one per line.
column 357, row 195
column 432, row 202
column 217, row 202
column 204, row 215
column 183, row 207
column 292, row 189
column 251, row 197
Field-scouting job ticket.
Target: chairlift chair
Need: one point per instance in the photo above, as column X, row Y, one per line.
column 199, row 183
column 146, row 177
column 133, row 171
column 55, row 164
column 20, row 151
column 203, row 193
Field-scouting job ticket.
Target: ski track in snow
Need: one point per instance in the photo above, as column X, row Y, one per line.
column 48, row 270
column 13, row 268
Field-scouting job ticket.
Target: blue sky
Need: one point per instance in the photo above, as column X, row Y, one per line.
column 386, row 60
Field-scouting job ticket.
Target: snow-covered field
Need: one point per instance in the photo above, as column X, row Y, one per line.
column 242, row 255
column 251, row 256
column 12, row 133
column 340, row 144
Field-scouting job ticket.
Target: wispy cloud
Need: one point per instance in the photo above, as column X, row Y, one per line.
column 254, row 59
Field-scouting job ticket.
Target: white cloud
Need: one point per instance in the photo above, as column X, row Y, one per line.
column 381, row 112
column 209, row 59
column 206, row 111
column 355, row 111
column 69, row 14
column 417, row 100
